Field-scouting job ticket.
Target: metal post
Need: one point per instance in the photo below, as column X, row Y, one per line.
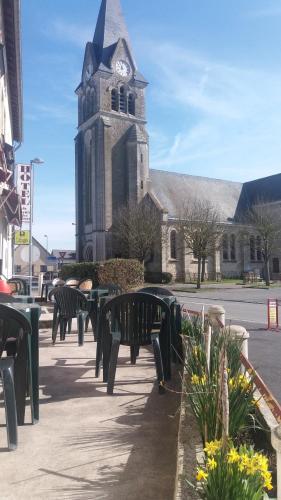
column 30, row 227
column 36, row 161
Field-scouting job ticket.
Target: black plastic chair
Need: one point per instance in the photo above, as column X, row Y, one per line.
column 177, row 349
column 15, row 369
column 156, row 290
column 71, row 303
column 129, row 319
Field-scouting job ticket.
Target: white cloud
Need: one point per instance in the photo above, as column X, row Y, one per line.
column 228, row 118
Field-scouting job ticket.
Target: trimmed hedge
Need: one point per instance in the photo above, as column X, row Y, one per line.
column 127, row 273
column 158, row 278
column 81, row 270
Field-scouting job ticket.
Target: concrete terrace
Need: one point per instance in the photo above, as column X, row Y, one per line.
column 88, row 445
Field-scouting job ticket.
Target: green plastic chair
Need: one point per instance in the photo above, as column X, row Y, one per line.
column 129, row 319
column 71, row 303
column 15, row 369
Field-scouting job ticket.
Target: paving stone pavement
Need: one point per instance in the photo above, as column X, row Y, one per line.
column 88, row 445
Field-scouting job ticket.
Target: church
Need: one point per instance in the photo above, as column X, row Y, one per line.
column 112, row 167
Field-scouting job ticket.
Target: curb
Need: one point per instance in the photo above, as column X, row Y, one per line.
column 189, row 452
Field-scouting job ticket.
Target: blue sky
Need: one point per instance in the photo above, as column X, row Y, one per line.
column 213, row 103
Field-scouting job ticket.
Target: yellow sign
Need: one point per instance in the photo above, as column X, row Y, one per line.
column 21, row 237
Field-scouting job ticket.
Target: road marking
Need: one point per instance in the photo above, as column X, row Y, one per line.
column 229, row 318
column 248, row 321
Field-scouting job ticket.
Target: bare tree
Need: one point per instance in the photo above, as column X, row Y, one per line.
column 136, row 230
column 265, row 219
column 199, row 224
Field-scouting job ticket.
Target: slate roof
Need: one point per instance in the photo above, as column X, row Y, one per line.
column 267, row 189
column 173, row 191
column 110, row 27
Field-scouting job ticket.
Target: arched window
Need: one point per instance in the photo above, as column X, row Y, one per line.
column 252, row 248
column 258, row 247
column 88, row 254
column 114, row 100
column 131, row 104
column 225, row 253
column 232, row 247
column 173, row 245
column 122, row 100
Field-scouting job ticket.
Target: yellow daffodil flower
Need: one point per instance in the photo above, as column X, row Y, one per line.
column 211, row 463
column 201, row 475
column 212, row 447
column 233, row 456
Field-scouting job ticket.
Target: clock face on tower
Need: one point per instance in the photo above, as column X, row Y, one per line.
column 122, row 68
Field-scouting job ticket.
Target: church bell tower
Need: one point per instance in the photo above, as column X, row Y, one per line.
column 112, row 156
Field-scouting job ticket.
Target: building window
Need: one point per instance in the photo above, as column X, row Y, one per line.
column 17, row 269
column 89, row 256
column 114, row 100
column 225, row 253
column 258, row 247
column 252, row 248
column 43, row 269
column 131, row 104
column 173, row 245
column 122, row 101
column 232, row 248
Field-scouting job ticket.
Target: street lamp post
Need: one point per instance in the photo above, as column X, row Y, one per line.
column 35, row 161
column 47, row 242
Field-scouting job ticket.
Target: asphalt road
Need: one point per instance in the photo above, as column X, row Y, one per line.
column 247, row 308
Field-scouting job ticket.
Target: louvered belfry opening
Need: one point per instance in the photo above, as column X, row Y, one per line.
column 122, row 100
column 114, row 100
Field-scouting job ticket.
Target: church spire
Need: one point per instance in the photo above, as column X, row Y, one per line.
column 110, row 27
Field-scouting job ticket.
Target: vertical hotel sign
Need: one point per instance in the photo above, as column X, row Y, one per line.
column 24, row 190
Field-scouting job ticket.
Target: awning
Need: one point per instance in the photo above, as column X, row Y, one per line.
column 6, row 164
column 11, row 204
